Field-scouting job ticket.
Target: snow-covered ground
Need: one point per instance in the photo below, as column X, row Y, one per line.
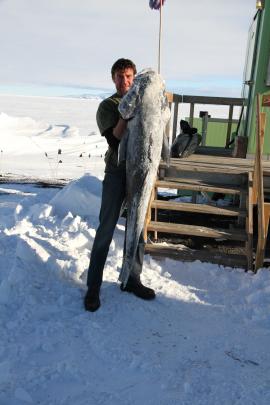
column 204, row 340
column 50, row 137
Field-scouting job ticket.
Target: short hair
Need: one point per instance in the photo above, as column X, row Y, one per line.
column 122, row 64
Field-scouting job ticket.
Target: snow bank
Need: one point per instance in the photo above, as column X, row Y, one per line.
column 19, row 125
column 26, row 126
column 80, row 197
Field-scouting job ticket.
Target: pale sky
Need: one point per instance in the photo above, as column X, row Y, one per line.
column 75, row 42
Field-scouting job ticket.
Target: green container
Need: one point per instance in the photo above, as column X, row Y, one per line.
column 257, row 77
column 216, row 131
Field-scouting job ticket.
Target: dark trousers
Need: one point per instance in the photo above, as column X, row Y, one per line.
column 113, row 195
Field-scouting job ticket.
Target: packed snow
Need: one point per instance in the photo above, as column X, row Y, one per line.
column 204, row 340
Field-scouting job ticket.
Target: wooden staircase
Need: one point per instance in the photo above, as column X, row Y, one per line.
column 212, row 170
column 167, row 219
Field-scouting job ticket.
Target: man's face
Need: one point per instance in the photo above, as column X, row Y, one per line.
column 123, row 80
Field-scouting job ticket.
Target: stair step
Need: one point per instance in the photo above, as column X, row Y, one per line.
column 183, row 229
column 196, row 185
column 186, row 254
column 197, row 208
column 195, row 165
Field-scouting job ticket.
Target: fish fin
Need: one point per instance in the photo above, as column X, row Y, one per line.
column 129, row 102
column 125, row 270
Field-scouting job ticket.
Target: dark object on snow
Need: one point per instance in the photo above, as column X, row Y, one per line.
column 186, row 142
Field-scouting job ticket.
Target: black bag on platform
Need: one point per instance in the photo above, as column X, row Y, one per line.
column 186, row 142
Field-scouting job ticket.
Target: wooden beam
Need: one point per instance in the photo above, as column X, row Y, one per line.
column 175, row 118
column 213, row 100
column 196, row 186
column 148, row 214
column 229, row 128
column 169, row 97
column 258, row 180
column 249, row 223
column 191, row 114
column 190, row 255
column 198, row 208
column 182, row 229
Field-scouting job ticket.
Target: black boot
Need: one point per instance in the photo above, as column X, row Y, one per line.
column 138, row 289
column 91, row 299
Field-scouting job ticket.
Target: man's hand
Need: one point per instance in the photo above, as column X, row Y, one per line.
column 119, row 129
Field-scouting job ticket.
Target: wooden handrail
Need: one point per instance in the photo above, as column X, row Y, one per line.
column 176, row 99
column 258, row 189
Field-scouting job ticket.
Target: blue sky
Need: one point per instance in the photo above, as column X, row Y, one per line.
column 60, row 45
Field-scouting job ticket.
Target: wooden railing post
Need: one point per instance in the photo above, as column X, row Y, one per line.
column 229, row 128
column 258, row 183
column 191, row 114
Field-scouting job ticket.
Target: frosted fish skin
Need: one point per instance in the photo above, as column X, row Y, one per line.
column 147, row 104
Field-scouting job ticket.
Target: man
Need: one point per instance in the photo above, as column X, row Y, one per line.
column 113, row 127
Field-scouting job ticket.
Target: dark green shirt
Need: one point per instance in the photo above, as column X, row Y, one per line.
column 107, row 117
column 107, row 113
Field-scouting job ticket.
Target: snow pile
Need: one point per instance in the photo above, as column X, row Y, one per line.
column 80, row 197
column 19, row 125
column 15, row 133
column 26, row 126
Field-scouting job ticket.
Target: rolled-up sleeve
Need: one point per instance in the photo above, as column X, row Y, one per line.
column 107, row 116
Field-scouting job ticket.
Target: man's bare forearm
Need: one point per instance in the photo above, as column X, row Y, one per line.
column 119, row 129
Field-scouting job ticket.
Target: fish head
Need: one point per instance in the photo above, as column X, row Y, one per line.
column 133, row 97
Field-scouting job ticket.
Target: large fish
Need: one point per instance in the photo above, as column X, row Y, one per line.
column 147, row 105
